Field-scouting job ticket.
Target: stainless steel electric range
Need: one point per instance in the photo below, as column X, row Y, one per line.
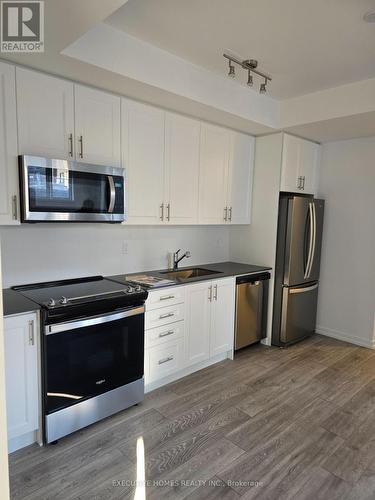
column 92, row 350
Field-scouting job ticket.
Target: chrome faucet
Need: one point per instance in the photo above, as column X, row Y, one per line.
column 177, row 259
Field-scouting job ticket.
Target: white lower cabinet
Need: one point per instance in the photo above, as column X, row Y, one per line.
column 183, row 337
column 209, row 319
column 197, row 336
column 21, row 377
column 222, row 316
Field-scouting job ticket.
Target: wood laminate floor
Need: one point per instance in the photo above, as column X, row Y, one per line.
column 297, row 423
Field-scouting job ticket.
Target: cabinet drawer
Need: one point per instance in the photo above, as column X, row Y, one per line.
column 162, row 334
column 163, row 360
column 165, row 297
column 164, row 316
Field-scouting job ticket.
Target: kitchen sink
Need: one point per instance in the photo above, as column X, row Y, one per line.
column 184, row 274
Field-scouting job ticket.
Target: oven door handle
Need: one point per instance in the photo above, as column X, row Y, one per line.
column 112, row 191
column 95, row 320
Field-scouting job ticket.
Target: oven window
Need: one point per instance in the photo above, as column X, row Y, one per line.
column 85, row 362
column 59, row 189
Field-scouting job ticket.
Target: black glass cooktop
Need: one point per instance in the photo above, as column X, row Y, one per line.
column 74, row 290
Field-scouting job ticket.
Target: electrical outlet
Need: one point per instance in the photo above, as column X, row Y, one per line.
column 125, row 248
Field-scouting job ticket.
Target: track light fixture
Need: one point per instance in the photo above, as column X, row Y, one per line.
column 231, row 72
column 250, row 65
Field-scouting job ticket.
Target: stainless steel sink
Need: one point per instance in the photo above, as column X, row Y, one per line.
column 184, row 274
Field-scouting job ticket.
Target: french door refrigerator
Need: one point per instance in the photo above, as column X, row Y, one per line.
column 299, row 239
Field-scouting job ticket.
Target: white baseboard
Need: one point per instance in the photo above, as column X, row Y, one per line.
column 19, row 442
column 346, row 337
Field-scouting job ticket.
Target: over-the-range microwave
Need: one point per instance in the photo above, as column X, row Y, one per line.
column 54, row 190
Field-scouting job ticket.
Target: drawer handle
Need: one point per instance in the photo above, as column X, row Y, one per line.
column 165, row 334
column 165, row 360
column 168, row 315
column 167, row 297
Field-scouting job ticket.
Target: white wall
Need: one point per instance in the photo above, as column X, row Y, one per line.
column 347, row 286
column 38, row 252
column 256, row 244
column 119, row 52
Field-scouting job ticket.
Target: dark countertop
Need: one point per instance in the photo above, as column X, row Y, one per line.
column 221, row 270
column 15, row 303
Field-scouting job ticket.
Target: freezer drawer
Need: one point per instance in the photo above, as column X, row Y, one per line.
column 298, row 313
column 251, row 300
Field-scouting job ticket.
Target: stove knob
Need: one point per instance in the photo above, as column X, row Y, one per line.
column 137, row 289
column 51, row 303
column 130, row 289
column 63, row 301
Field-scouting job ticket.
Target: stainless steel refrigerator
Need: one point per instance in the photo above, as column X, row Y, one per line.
column 299, row 239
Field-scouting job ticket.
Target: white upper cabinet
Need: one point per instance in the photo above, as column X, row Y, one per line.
column 240, row 178
column 310, row 161
column 290, row 177
column 299, row 165
column 182, row 140
column 213, row 179
column 45, row 109
column 143, row 159
column 9, row 209
column 97, row 121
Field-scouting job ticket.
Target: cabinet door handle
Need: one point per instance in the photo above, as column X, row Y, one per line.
column 165, row 334
column 165, row 360
column 31, row 332
column 215, row 292
column 166, row 297
column 80, row 140
column 226, row 214
column 70, row 139
column 167, row 315
column 210, row 293
column 162, row 211
column 230, row 214
column 168, row 212
column 303, row 183
column 15, row 207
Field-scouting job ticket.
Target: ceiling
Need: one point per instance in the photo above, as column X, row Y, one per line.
column 306, row 45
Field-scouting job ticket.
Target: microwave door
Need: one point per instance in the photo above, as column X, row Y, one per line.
column 60, row 190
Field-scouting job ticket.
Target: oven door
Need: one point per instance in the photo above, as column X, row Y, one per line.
column 61, row 190
column 88, row 357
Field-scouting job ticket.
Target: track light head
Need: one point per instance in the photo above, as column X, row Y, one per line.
column 263, row 88
column 231, row 72
column 250, row 80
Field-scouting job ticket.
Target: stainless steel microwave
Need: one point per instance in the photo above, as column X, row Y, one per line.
column 54, row 190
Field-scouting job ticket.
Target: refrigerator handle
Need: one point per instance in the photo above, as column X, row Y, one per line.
column 311, row 241
column 314, row 238
column 303, row 290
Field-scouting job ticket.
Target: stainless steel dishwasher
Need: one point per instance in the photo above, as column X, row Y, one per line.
column 251, row 309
